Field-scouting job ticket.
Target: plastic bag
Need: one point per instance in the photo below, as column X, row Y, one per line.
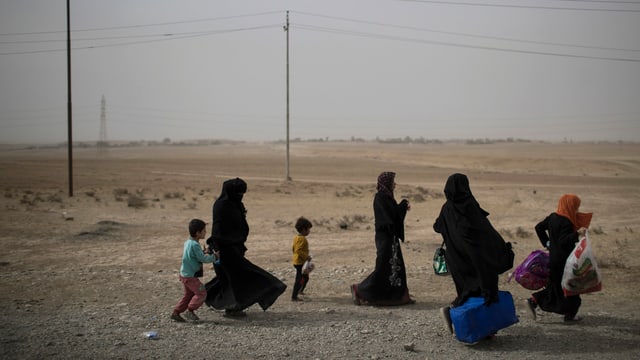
column 533, row 273
column 308, row 266
column 581, row 273
column 439, row 263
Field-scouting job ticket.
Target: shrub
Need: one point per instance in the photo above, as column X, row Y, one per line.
column 54, row 198
column 522, row 233
column 136, row 202
column 120, row 193
column 173, row 195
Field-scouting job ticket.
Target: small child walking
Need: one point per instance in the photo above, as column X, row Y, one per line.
column 192, row 258
column 300, row 248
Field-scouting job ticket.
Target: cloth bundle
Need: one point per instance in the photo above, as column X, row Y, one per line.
column 533, row 273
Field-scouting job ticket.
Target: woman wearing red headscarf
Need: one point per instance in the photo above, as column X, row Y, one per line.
column 387, row 284
column 559, row 232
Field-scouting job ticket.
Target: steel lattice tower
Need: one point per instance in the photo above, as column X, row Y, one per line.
column 102, row 143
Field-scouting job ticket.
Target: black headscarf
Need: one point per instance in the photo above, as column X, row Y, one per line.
column 385, row 183
column 389, row 215
column 229, row 226
column 233, row 190
column 459, row 196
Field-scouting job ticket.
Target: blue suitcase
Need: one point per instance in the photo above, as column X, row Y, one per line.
column 474, row 321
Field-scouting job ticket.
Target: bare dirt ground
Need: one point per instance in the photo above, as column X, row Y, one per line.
column 86, row 276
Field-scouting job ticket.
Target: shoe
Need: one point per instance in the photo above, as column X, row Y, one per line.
column 177, row 318
column 406, row 299
column 301, row 293
column 296, row 299
column 572, row 319
column 444, row 312
column 191, row 316
column 531, row 308
column 234, row 313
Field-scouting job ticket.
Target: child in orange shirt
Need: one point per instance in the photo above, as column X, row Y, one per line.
column 300, row 248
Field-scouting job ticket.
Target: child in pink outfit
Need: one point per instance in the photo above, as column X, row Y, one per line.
column 192, row 258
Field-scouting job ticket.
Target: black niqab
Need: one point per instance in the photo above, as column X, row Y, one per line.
column 229, row 226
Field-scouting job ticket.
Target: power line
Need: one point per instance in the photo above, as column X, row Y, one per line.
column 167, row 37
column 360, row 34
column 145, row 25
column 18, row 42
column 188, row 35
column 404, row 27
column 442, row 43
column 602, row 1
column 204, row 33
column 525, row 6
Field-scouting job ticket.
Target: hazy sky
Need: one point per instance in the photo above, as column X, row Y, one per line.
column 204, row 69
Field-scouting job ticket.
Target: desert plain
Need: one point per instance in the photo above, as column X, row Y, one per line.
column 88, row 276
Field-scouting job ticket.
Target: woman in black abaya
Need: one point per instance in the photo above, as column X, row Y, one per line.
column 475, row 252
column 238, row 283
column 559, row 232
column 387, row 284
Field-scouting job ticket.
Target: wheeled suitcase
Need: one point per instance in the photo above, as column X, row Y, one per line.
column 474, row 321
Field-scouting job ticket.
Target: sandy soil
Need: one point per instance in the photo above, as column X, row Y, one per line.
column 86, row 276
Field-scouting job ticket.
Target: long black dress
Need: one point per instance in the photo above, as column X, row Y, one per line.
column 238, row 283
column 561, row 241
column 475, row 252
column 387, row 284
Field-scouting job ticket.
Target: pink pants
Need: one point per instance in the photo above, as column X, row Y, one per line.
column 194, row 295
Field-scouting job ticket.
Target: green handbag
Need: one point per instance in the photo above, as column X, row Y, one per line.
column 439, row 263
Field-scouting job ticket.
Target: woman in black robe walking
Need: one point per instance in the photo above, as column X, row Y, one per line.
column 238, row 283
column 559, row 232
column 475, row 252
column 387, row 284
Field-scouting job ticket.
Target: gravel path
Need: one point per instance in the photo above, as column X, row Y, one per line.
column 322, row 327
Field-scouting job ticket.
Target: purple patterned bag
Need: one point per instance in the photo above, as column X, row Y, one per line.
column 533, row 273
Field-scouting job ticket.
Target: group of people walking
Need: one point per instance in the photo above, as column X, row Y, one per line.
column 238, row 283
column 476, row 254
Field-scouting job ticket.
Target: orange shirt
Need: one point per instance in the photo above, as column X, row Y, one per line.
column 300, row 248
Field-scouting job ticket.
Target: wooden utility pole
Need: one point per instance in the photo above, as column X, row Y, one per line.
column 69, row 107
column 286, row 29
